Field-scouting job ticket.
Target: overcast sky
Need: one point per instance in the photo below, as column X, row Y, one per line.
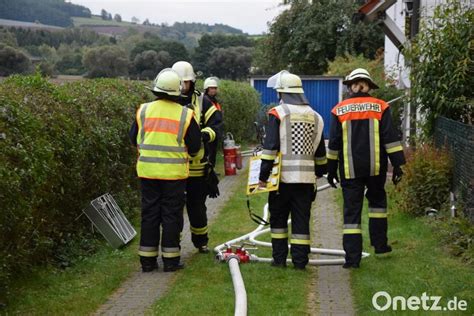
column 249, row 16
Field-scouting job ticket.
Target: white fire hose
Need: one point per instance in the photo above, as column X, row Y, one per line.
column 233, row 261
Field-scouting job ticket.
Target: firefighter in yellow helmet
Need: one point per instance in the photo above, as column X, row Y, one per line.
column 165, row 134
column 211, row 86
column 295, row 130
column 362, row 136
column 197, row 189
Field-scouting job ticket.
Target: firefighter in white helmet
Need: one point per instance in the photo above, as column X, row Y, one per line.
column 197, row 188
column 296, row 131
column 211, row 89
column 165, row 133
column 362, row 136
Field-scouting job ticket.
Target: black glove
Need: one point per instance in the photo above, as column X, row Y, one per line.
column 397, row 175
column 331, row 178
column 212, row 182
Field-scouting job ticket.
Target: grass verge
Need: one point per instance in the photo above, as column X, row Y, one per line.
column 418, row 264
column 205, row 286
column 78, row 290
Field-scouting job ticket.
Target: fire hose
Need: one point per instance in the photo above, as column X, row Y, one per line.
column 225, row 253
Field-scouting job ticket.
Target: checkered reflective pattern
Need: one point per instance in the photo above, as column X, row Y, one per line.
column 302, row 138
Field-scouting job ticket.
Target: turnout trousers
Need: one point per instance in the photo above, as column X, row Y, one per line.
column 162, row 206
column 353, row 194
column 294, row 199
column 196, row 207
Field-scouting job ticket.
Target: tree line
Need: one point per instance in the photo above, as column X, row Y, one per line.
column 52, row 12
column 304, row 39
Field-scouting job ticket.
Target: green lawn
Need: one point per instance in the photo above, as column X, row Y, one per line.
column 78, row 290
column 205, row 286
column 418, row 264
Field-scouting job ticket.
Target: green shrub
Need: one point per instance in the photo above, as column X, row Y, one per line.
column 427, row 180
column 61, row 147
column 442, row 61
column 457, row 234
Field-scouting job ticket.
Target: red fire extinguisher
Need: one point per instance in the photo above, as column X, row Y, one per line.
column 230, row 155
column 238, row 158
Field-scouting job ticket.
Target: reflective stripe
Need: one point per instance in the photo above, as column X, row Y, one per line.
column 148, row 253
column 279, row 236
column 372, row 146
column 287, row 112
column 393, row 144
column 301, row 236
column 297, row 168
column 163, row 148
column 182, row 122
column 170, row 252
column 279, row 230
column 269, row 154
column 377, row 210
column 377, row 147
column 300, row 241
column 210, row 131
column 352, row 231
column 142, row 121
column 297, row 157
column 199, row 231
column 163, row 160
column 378, row 215
column 209, row 113
column 320, row 160
column 349, row 226
column 332, row 154
column 268, row 157
column 394, row 149
column 347, row 150
column 146, row 248
column 316, row 126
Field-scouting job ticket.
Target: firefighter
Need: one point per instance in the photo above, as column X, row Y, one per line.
column 164, row 133
column 211, row 86
column 295, row 130
column 362, row 136
column 210, row 120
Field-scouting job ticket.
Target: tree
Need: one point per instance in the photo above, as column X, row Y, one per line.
column 230, row 63
column 442, row 65
column 208, row 42
column 118, row 17
column 149, row 63
column 109, row 16
column 135, row 20
column 13, row 61
column 176, row 50
column 8, row 38
column 104, row 14
column 105, row 61
column 310, row 33
column 146, row 22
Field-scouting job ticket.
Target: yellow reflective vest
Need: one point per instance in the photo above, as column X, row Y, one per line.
column 162, row 125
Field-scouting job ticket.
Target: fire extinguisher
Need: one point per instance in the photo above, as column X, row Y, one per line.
column 230, row 155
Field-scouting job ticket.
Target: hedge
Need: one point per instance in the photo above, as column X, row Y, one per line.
column 61, row 147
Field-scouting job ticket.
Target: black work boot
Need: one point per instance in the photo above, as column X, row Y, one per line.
column 349, row 265
column 384, row 249
column 203, row 249
column 278, row 264
column 173, row 267
column 148, row 264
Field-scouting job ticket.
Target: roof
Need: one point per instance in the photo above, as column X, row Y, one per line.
column 303, row 77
